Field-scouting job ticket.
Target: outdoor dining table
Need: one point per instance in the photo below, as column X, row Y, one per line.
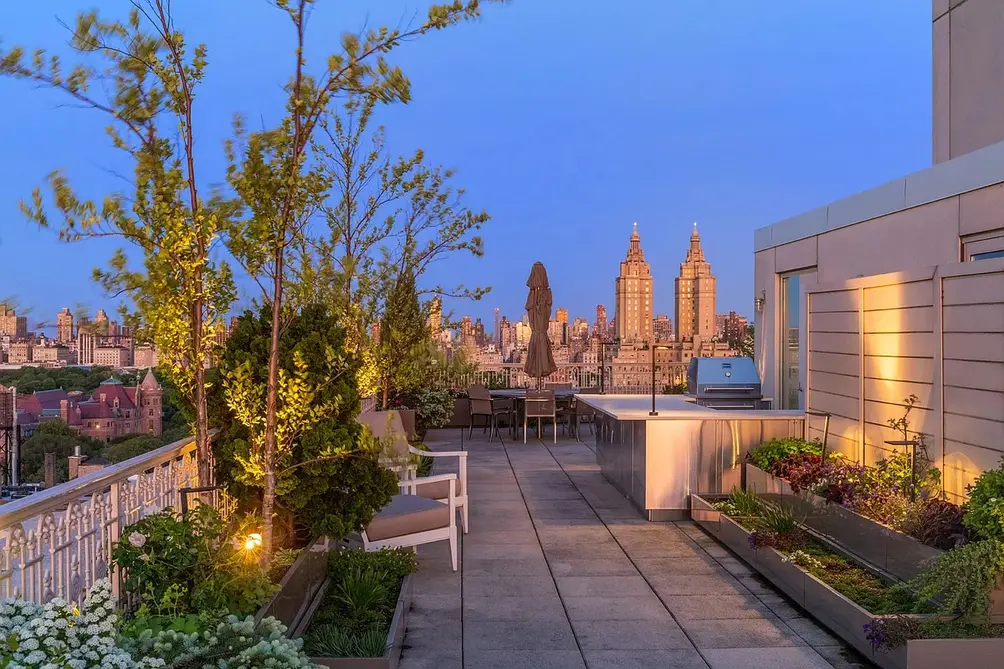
column 519, row 396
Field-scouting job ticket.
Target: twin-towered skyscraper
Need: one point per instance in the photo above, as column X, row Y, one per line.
column 695, row 295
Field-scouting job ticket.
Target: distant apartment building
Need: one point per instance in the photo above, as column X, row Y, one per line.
column 116, row 357
column 695, row 294
column 435, row 317
column 662, row 328
column 145, row 355
column 633, row 294
column 87, row 342
column 11, row 324
column 600, row 326
column 731, row 326
column 20, row 352
column 561, row 315
column 632, row 366
column 64, row 326
column 55, row 355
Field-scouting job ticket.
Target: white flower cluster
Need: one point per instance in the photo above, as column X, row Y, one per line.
column 57, row 635
column 234, row 644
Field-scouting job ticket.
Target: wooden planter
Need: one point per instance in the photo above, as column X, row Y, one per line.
column 298, row 587
column 864, row 539
column 395, row 634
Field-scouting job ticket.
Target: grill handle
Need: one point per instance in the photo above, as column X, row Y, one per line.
column 728, row 389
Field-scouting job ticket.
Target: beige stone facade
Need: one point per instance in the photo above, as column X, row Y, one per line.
column 695, row 294
column 633, row 295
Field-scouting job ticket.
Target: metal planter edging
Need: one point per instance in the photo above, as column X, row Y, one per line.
column 298, row 587
column 867, row 540
column 395, row 636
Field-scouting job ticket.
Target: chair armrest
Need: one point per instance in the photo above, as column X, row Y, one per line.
column 422, row 480
column 438, row 454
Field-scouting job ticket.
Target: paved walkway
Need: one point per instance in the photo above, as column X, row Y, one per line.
column 559, row 571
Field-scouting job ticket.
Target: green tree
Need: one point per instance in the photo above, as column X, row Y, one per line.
column 60, row 439
column 404, row 349
column 329, row 479
column 279, row 184
column 386, row 216
column 151, row 76
column 744, row 346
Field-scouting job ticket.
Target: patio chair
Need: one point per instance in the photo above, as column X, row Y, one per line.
column 401, row 458
column 414, row 519
column 540, row 404
column 483, row 405
column 557, row 386
column 582, row 413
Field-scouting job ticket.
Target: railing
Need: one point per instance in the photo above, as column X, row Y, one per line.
column 57, row 543
column 625, row 378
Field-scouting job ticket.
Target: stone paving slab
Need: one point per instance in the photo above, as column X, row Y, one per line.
column 561, row 571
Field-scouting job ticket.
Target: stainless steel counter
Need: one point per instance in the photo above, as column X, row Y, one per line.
column 658, row 461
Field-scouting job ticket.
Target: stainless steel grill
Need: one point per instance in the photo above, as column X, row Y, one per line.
column 725, row 383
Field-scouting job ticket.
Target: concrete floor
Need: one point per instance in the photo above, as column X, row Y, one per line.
column 559, row 571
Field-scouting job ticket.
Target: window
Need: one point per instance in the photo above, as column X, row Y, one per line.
column 983, row 247
column 987, row 255
column 792, row 396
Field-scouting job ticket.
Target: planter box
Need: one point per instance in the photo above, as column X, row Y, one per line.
column 395, row 634
column 298, row 587
column 706, row 515
column 408, row 423
column 940, row 653
column 864, row 539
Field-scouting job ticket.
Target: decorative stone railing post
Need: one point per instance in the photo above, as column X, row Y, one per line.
column 57, row 542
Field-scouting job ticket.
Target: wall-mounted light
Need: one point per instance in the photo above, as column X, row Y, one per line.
column 759, row 301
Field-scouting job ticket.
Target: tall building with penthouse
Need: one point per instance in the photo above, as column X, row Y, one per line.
column 633, row 295
column 695, row 294
column 64, row 326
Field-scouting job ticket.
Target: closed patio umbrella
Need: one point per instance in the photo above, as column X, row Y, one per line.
column 539, row 360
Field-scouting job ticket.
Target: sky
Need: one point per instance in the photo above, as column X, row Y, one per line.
column 567, row 120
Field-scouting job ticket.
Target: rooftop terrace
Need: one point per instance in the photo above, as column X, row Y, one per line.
column 560, row 571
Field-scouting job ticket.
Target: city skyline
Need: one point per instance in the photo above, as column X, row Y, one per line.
column 733, row 123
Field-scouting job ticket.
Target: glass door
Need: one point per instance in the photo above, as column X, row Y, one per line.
column 791, row 388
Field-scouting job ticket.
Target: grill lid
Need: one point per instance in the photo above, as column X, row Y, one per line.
column 723, row 377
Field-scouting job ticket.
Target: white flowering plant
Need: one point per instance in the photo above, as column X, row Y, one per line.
column 233, row 644
column 57, row 635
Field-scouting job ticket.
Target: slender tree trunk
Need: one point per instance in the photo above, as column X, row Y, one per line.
column 268, row 497
column 202, row 450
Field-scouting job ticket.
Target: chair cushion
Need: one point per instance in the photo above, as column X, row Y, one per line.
column 408, row 514
column 438, row 489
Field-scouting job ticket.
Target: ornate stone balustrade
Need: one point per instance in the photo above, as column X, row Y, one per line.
column 57, row 542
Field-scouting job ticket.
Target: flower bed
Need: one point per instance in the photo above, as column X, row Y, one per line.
column 358, row 619
column 58, row 634
column 873, row 615
column 887, row 549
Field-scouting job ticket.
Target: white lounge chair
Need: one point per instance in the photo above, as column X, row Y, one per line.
column 412, row 519
column 388, row 425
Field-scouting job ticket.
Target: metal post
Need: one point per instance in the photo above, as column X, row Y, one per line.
column 653, row 412
column 912, row 444
column 826, row 427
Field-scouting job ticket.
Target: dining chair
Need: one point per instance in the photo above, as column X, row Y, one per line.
column 540, row 404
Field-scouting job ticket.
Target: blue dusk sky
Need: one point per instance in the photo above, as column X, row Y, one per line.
column 567, row 120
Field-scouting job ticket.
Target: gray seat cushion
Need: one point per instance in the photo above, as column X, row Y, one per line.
column 408, row 514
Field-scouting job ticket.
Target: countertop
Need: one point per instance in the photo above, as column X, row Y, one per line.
column 673, row 407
